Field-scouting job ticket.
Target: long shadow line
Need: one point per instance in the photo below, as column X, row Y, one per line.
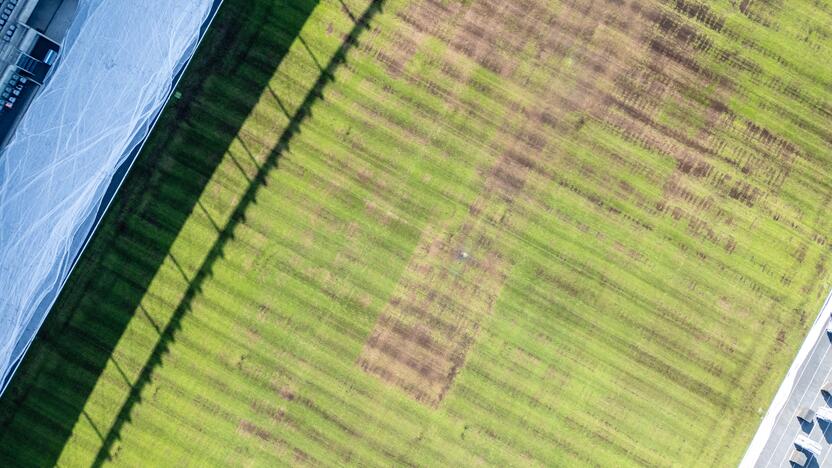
column 238, row 215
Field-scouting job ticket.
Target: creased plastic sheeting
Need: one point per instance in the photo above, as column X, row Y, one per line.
column 115, row 73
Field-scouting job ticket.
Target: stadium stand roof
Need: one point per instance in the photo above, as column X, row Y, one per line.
column 72, row 148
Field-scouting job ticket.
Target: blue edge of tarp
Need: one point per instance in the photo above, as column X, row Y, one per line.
column 115, row 184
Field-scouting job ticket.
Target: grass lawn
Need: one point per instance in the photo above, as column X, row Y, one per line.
column 452, row 233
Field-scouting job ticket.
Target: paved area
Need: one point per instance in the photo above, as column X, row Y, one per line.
column 774, row 442
column 816, row 371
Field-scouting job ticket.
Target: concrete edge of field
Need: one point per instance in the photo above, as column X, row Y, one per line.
column 752, row 454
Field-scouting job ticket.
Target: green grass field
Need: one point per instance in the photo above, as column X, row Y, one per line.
column 453, row 233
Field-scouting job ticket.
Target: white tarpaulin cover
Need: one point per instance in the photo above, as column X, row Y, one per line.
column 116, row 70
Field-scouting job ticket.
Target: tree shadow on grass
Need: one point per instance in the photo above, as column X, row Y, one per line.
column 47, row 396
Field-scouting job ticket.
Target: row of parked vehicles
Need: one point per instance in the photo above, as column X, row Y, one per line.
column 12, row 90
column 5, row 15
